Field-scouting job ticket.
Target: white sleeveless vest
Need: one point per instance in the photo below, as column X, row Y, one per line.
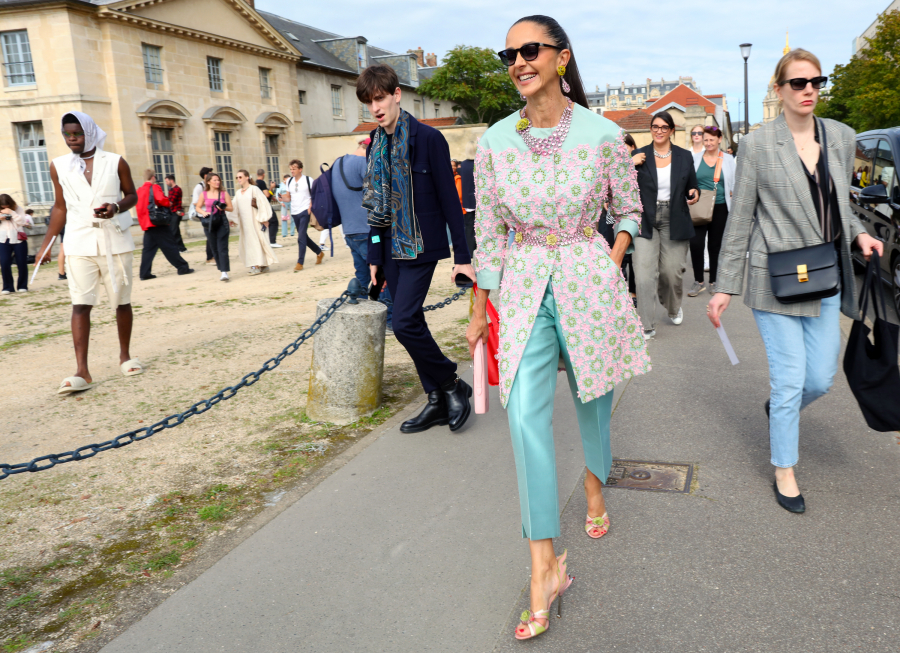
column 85, row 234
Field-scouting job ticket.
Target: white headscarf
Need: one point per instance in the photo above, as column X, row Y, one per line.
column 94, row 137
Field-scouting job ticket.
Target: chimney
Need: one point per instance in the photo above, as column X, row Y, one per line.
column 420, row 56
column 430, row 60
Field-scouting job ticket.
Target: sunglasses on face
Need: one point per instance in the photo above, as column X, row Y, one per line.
column 529, row 52
column 696, row 133
column 799, row 83
column 659, row 128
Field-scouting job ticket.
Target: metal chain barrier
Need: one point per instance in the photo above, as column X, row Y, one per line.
column 447, row 301
column 89, row 451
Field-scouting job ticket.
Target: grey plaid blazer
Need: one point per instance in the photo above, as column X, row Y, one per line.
column 770, row 182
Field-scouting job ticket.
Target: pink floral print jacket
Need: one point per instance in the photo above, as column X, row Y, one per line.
column 553, row 204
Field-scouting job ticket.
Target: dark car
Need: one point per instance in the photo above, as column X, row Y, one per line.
column 875, row 198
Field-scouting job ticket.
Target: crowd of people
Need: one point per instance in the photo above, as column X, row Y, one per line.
column 580, row 283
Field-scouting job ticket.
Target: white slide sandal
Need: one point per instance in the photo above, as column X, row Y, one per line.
column 132, row 367
column 76, row 384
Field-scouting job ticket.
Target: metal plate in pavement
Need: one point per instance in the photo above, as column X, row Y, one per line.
column 646, row 475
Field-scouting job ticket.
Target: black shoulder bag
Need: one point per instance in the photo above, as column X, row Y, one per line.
column 159, row 215
column 346, row 183
column 806, row 273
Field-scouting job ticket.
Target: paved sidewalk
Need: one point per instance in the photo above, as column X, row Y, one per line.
column 414, row 545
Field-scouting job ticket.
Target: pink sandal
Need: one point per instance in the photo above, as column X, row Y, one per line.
column 597, row 527
column 530, row 619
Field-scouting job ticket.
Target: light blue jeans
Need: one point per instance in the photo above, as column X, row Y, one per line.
column 286, row 225
column 803, row 359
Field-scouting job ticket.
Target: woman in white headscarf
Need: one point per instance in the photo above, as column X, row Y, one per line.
column 253, row 211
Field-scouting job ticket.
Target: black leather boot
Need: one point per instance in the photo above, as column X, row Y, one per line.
column 458, row 407
column 434, row 414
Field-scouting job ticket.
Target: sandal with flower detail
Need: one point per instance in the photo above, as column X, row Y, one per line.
column 529, row 619
column 597, row 527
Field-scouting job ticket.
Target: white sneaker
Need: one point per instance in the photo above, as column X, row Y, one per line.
column 224, row 277
column 678, row 319
column 22, row 290
column 276, row 245
column 649, row 334
column 4, row 292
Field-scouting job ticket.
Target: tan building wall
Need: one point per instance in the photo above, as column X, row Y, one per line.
column 91, row 60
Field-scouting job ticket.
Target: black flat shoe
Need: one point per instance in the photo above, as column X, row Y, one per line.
column 434, row 414
column 148, row 277
column 791, row 504
column 458, row 406
column 767, row 407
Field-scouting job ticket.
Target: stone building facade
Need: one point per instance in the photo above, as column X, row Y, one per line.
column 636, row 95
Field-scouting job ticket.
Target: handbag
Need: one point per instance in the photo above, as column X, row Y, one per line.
column 160, row 216
column 702, row 210
column 22, row 236
column 481, row 378
column 871, row 366
column 493, row 343
column 806, row 273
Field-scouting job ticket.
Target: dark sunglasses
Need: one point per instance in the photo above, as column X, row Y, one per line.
column 700, row 133
column 798, row 83
column 529, row 52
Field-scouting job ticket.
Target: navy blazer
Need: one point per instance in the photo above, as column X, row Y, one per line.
column 435, row 201
column 684, row 178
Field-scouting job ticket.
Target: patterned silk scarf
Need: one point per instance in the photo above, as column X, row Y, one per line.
column 387, row 191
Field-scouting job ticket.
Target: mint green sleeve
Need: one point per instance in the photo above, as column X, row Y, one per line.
column 632, row 227
column 491, row 230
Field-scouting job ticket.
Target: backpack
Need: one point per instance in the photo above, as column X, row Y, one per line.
column 322, row 206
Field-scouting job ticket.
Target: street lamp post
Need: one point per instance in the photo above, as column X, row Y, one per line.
column 745, row 53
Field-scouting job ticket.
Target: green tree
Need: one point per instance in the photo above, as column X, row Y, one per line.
column 865, row 93
column 477, row 82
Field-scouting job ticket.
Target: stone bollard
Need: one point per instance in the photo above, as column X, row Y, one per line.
column 345, row 376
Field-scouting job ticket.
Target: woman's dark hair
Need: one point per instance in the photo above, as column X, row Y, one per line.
column 629, row 140
column 7, row 201
column 712, row 129
column 558, row 36
column 666, row 117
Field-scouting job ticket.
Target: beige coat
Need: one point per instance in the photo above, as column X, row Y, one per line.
column 253, row 245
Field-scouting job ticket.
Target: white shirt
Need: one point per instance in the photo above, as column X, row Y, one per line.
column 664, row 183
column 299, row 191
column 9, row 229
column 195, row 196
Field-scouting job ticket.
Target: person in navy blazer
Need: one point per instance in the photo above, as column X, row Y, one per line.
column 436, row 207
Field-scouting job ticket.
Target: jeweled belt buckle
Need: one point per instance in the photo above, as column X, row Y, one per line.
column 802, row 274
column 519, row 237
column 552, row 240
column 588, row 231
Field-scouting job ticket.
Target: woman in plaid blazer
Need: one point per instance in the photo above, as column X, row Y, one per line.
column 780, row 179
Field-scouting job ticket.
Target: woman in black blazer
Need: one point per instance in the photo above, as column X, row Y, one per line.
column 668, row 185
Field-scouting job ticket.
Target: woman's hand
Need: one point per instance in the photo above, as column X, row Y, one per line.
column 716, row 307
column 477, row 330
column 866, row 243
column 639, row 158
column 694, row 194
column 233, row 224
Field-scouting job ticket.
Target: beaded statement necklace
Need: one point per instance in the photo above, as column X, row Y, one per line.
column 551, row 144
column 663, row 156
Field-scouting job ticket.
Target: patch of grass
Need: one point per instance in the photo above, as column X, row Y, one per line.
column 215, row 512
column 32, row 339
column 16, row 576
column 24, row 599
column 157, row 563
column 216, row 490
column 14, row 644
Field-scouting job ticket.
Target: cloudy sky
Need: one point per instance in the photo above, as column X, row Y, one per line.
column 623, row 41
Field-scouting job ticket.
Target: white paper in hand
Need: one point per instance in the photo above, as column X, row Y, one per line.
column 727, row 344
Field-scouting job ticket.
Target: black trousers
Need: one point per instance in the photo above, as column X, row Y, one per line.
column 218, row 242
column 716, row 231
column 301, row 220
column 209, row 249
column 18, row 250
column 161, row 238
column 273, row 228
column 469, row 223
column 408, row 282
column 175, row 226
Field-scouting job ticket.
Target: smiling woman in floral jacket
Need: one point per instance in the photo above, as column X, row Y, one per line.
column 545, row 173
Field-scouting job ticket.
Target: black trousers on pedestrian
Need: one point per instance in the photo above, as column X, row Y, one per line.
column 301, row 221
column 175, row 226
column 273, row 228
column 469, row 223
column 209, row 249
column 19, row 251
column 218, row 242
column 161, row 238
column 716, row 231
column 408, row 282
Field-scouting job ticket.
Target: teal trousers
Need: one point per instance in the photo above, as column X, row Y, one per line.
column 530, row 412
